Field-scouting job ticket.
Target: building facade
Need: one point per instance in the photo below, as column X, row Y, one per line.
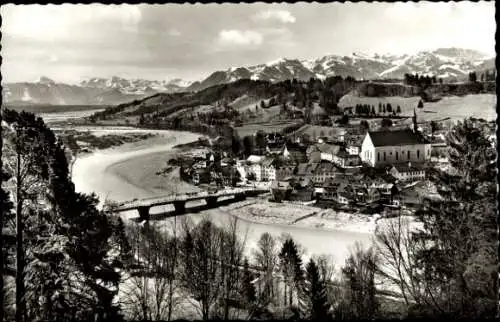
column 408, row 172
column 391, row 147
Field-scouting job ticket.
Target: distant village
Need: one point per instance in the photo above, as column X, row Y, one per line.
column 352, row 169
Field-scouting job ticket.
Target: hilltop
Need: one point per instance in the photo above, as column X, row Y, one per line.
column 274, row 104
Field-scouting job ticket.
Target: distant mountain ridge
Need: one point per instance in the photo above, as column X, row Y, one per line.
column 444, row 63
column 448, row 63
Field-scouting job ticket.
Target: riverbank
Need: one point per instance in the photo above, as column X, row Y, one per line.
column 91, row 173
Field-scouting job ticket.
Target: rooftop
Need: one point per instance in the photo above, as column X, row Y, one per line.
column 407, row 167
column 306, row 168
column 397, row 137
column 325, row 148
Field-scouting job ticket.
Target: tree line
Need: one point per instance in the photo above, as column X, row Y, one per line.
column 208, row 269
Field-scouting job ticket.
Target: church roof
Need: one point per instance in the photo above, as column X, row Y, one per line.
column 397, row 137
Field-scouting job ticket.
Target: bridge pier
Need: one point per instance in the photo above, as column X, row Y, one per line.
column 211, row 201
column 180, row 207
column 143, row 212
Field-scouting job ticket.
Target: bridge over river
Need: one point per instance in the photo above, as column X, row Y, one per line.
column 179, row 200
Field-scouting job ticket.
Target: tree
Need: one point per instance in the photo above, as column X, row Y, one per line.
column 389, row 108
column 151, row 294
column 434, row 127
column 383, row 109
column 202, row 267
column 248, row 289
column 386, row 122
column 398, row 110
column 457, row 266
column 440, row 81
column 248, row 145
column 373, row 110
column 260, row 141
column 359, row 280
column 420, row 104
column 236, row 145
column 266, row 258
column 230, row 257
column 397, row 250
column 344, row 120
column 69, row 270
column 5, row 216
column 379, row 108
column 365, row 126
column 314, row 295
column 472, row 77
column 290, row 264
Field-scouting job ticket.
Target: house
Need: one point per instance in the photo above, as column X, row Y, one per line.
column 353, row 142
column 382, row 185
column 324, row 171
column 354, row 149
column 306, row 170
column 372, row 195
column 268, row 170
column 344, row 159
column 408, row 172
column 322, row 151
column 439, row 146
column 343, row 194
column 330, row 189
column 294, row 151
column 305, row 194
column 199, row 176
column 274, row 148
column 281, row 190
column 398, row 146
column 285, row 171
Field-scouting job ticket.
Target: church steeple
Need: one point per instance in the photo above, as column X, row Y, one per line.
column 414, row 119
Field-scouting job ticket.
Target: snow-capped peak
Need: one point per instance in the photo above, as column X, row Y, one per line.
column 276, row 62
column 45, row 80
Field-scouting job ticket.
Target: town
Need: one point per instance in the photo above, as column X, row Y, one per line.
column 351, row 168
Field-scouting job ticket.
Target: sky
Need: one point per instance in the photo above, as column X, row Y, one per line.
column 71, row 42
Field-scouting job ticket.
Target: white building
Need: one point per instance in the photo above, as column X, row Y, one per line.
column 408, row 172
column 263, row 169
column 399, row 146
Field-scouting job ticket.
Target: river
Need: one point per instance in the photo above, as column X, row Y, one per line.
column 91, row 174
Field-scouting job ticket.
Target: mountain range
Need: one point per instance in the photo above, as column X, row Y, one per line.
column 447, row 63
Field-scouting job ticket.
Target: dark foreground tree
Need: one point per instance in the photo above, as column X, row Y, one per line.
column 66, row 265
column 314, row 295
column 459, row 262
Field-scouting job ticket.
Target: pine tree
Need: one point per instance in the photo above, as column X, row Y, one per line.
column 64, row 263
column 290, row 263
column 314, row 295
column 458, row 266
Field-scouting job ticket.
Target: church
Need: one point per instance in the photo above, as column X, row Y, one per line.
column 399, row 146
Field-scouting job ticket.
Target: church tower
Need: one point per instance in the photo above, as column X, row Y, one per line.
column 414, row 119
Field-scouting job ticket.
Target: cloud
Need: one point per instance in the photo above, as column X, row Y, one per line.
column 54, row 22
column 282, row 16
column 240, row 37
column 174, row 32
